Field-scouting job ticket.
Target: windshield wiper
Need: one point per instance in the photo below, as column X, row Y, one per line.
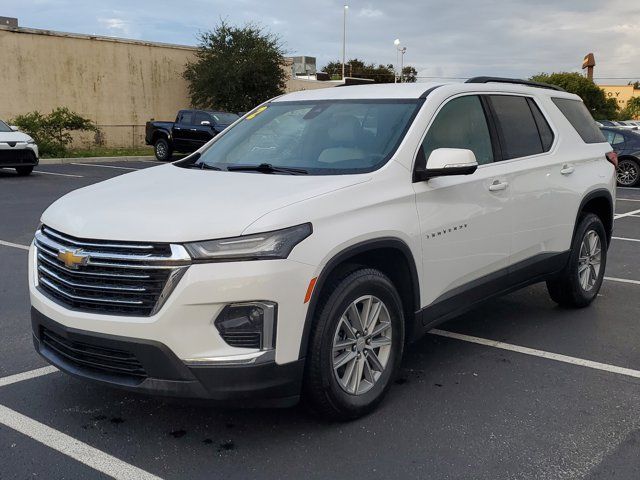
column 203, row 166
column 266, row 168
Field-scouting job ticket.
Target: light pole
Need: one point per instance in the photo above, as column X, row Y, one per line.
column 400, row 51
column 344, row 38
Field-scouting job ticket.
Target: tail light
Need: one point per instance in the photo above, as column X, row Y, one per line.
column 612, row 157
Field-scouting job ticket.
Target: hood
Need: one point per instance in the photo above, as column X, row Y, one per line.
column 173, row 204
column 14, row 137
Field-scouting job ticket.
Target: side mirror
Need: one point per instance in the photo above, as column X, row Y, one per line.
column 448, row 161
column 14, row 128
column 205, row 123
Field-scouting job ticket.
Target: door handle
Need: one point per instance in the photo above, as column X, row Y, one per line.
column 498, row 185
column 193, row 129
column 177, row 128
column 567, row 169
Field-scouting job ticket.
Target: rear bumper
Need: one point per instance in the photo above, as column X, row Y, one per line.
column 18, row 156
column 150, row 367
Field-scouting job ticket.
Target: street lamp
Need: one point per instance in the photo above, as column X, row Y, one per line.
column 399, row 51
column 344, row 38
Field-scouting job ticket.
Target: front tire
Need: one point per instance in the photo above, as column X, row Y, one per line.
column 24, row 171
column 356, row 345
column 628, row 173
column 162, row 150
column 580, row 281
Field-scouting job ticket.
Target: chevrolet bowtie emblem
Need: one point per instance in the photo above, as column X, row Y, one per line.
column 72, row 259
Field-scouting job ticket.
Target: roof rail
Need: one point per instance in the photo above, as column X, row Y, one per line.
column 517, row 81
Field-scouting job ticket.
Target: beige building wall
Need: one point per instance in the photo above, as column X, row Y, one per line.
column 621, row 93
column 119, row 84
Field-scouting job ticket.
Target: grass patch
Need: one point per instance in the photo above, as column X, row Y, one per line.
column 108, row 152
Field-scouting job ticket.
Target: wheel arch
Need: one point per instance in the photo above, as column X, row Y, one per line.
column 600, row 203
column 382, row 254
column 159, row 134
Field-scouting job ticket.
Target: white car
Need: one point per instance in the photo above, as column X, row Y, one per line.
column 297, row 252
column 17, row 150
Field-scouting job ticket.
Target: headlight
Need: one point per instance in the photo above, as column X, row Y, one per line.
column 31, row 141
column 260, row 246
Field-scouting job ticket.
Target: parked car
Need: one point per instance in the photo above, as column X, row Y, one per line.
column 627, row 145
column 297, row 253
column 17, row 150
column 191, row 130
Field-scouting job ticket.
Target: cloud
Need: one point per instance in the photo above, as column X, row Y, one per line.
column 457, row 38
column 117, row 26
column 370, row 13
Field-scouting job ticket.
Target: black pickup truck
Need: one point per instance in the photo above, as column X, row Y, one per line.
column 191, row 130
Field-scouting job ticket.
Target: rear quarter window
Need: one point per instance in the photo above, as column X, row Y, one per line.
column 580, row 118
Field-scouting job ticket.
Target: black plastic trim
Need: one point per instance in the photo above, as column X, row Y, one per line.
column 264, row 383
column 506, row 280
column 516, row 81
column 343, row 256
column 599, row 193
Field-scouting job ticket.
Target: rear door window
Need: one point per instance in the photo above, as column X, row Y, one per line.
column 614, row 138
column 185, row 118
column 580, row 118
column 516, row 126
column 546, row 134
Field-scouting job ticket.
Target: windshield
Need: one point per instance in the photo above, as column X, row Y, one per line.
column 4, row 127
column 316, row 137
column 224, row 118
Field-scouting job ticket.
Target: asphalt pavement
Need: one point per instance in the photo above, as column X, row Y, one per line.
column 516, row 389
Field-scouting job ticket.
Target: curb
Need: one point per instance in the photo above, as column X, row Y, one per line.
column 58, row 161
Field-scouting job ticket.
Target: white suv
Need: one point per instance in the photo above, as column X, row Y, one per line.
column 297, row 252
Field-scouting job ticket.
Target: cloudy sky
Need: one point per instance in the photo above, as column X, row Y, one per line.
column 446, row 38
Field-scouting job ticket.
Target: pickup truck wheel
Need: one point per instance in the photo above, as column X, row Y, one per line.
column 356, row 345
column 579, row 283
column 162, row 149
column 24, row 171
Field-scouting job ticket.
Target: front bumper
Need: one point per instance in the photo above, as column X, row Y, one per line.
column 20, row 155
column 150, row 367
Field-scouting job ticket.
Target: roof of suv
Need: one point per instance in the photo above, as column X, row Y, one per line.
column 411, row 90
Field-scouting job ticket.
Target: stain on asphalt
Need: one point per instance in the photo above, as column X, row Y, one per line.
column 226, row 446
column 178, row 433
column 117, row 420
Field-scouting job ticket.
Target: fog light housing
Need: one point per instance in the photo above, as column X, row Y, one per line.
column 248, row 325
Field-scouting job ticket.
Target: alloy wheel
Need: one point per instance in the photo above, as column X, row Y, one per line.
column 161, row 150
column 362, row 345
column 627, row 172
column 589, row 260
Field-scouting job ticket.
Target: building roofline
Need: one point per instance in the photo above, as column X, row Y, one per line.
column 102, row 38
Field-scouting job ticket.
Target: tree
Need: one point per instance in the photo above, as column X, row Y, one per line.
column 409, row 74
column 53, row 132
column 632, row 110
column 236, row 68
column 636, row 85
column 359, row 69
column 601, row 107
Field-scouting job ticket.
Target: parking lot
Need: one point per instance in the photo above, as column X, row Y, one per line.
column 516, row 389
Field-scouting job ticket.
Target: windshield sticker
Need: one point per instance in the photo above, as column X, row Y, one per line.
column 256, row 113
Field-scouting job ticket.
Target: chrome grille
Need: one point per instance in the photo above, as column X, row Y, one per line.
column 124, row 278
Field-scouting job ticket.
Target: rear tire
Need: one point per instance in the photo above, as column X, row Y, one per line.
column 350, row 366
column 628, row 172
column 580, row 281
column 162, row 149
column 24, row 171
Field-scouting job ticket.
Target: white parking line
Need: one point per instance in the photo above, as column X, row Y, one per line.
column 626, row 239
column 71, row 447
column 21, row 377
column 539, row 353
column 633, row 189
column 104, row 166
column 628, row 214
column 622, row 280
column 14, row 245
column 628, row 199
column 58, row 174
